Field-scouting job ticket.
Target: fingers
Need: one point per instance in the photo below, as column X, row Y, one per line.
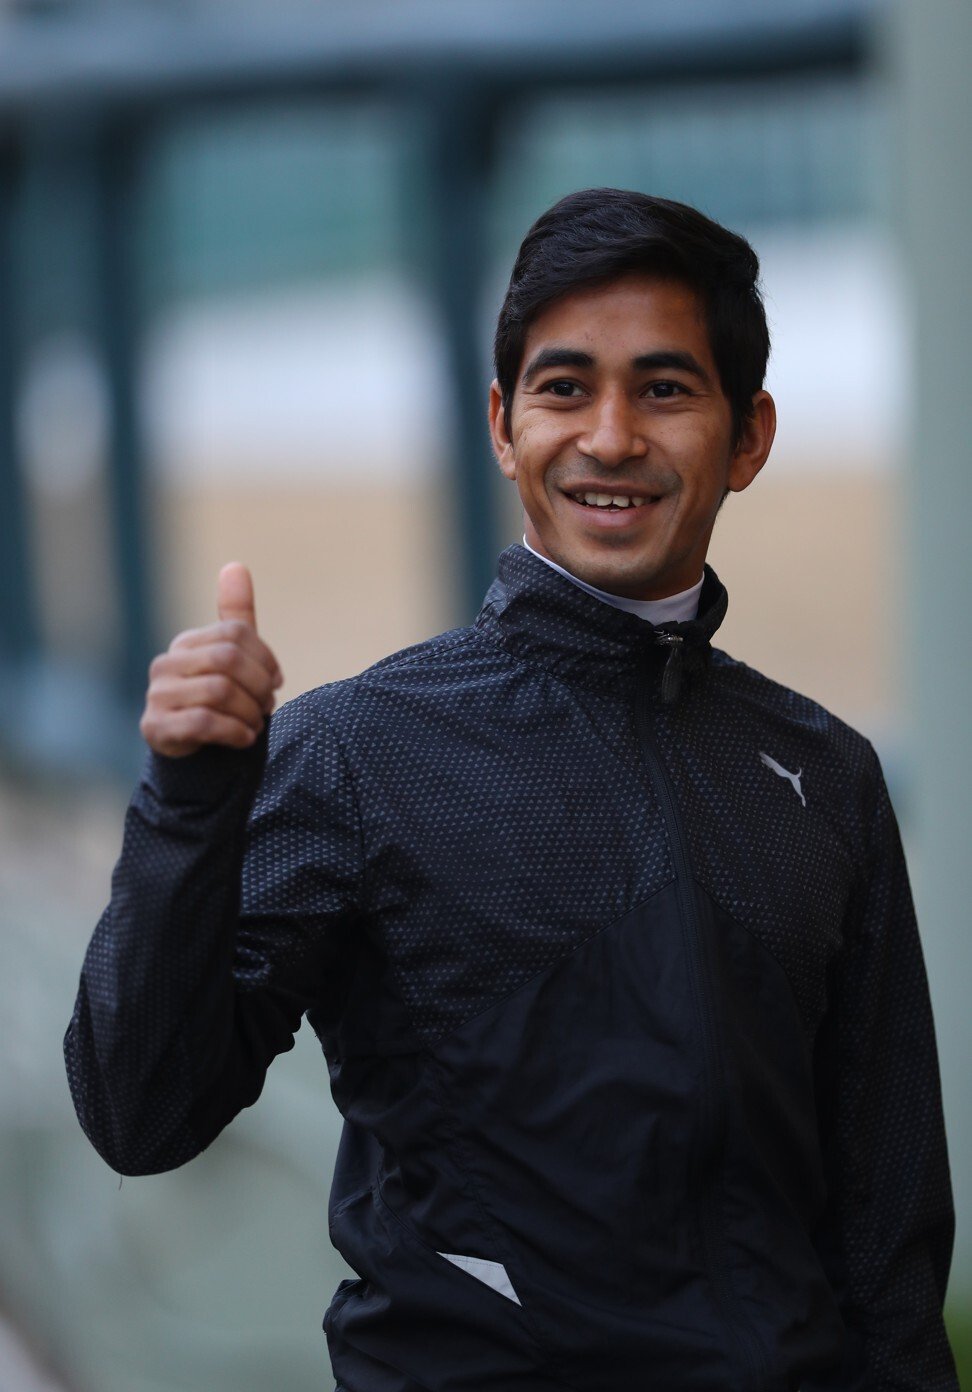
column 234, row 594
column 214, row 692
column 181, row 732
column 236, row 634
column 185, row 709
column 220, row 658
column 215, row 685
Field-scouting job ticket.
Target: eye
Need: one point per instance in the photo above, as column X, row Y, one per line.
column 562, row 388
column 664, row 391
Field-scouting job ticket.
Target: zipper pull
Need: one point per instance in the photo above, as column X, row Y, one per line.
column 671, row 681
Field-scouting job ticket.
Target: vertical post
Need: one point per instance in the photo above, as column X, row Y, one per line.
column 118, row 296
column 460, row 164
column 19, row 639
column 930, row 47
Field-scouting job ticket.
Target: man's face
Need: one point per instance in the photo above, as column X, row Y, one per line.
column 618, row 396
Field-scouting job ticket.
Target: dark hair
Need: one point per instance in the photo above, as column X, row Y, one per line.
column 599, row 234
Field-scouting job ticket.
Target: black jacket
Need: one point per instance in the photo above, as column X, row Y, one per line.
column 609, row 944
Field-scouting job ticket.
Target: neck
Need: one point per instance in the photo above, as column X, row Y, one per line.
column 676, row 608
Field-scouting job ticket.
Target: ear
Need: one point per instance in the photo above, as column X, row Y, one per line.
column 499, row 433
column 755, row 443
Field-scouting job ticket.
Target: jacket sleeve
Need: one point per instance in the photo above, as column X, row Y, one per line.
column 890, row 1223
column 231, row 914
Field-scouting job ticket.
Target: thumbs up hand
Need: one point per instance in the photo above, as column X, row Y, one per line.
column 214, row 685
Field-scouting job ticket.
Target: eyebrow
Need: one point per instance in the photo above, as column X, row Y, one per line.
column 645, row 362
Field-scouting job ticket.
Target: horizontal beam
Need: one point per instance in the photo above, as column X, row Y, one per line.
column 149, row 56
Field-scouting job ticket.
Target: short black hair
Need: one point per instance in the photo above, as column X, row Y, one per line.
column 599, row 234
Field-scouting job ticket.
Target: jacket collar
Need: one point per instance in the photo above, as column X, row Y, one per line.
column 542, row 618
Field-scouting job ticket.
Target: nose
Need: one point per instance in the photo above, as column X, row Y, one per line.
column 615, row 431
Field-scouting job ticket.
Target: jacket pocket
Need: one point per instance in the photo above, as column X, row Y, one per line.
column 436, row 1320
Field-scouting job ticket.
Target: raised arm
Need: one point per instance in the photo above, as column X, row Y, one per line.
column 230, row 902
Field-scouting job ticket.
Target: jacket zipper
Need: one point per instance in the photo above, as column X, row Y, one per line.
column 713, row 1111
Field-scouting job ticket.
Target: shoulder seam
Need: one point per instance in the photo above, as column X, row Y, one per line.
column 444, row 642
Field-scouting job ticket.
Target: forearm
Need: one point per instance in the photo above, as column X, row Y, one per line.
column 155, row 1010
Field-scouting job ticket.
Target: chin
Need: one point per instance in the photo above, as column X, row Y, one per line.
column 612, row 577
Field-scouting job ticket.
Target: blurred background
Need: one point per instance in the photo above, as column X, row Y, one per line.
column 250, row 262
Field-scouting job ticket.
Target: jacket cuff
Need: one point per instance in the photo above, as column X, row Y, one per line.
column 213, row 775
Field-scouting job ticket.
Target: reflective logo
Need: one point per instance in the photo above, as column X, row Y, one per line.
column 794, row 778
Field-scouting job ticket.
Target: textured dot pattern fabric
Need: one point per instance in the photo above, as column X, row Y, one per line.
column 456, row 763
column 785, row 860
column 882, row 1067
column 441, row 859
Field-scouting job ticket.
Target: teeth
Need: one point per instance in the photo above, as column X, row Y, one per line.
column 620, row 500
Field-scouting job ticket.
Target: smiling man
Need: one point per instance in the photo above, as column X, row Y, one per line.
column 607, row 938
column 620, row 437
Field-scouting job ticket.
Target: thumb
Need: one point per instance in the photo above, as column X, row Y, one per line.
column 234, row 594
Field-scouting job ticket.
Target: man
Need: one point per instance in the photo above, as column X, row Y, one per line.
column 607, row 938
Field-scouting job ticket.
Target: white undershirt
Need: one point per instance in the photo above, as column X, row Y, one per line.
column 676, row 608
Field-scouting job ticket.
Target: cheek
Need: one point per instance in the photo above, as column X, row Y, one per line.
column 530, row 433
column 533, row 450
column 691, row 436
column 707, row 468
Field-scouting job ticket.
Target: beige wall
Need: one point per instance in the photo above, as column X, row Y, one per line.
column 808, row 562
column 344, row 576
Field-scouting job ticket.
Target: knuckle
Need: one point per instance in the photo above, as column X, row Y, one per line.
column 157, row 735
column 227, row 657
column 204, row 721
column 197, row 722
column 220, row 689
column 158, row 691
column 153, row 698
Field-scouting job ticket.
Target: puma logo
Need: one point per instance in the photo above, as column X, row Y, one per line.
column 794, row 778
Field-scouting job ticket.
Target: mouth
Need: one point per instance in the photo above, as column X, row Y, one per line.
column 614, row 502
